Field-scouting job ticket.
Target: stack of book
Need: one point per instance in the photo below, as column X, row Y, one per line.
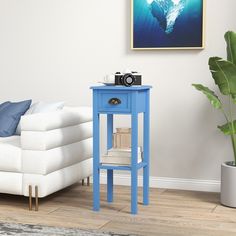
column 122, row 138
column 118, row 156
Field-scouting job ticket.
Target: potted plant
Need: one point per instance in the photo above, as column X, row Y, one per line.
column 224, row 75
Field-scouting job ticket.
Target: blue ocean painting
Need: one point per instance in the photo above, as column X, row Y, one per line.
column 167, row 24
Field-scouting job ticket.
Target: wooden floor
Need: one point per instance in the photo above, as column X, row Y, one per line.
column 171, row 212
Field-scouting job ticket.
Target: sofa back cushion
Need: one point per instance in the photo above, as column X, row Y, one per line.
column 41, row 107
column 10, row 114
column 44, row 107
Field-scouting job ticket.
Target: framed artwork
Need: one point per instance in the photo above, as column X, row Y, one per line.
column 167, row 24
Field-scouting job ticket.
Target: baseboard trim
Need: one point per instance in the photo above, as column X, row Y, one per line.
column 170, row 183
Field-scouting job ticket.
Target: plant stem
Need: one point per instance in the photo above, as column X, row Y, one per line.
column 232, row 126
column 232, row 137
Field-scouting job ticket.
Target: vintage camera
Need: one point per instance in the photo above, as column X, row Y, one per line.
column 128, row 79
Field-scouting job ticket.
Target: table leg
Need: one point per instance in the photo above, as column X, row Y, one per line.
column 146, row 152
column 134, row 170
column 109, row 145
column 96, row 157
column 110, row 185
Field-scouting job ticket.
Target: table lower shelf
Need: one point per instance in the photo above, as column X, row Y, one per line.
column 112, row 167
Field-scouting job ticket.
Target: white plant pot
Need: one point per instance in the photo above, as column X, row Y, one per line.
column 228, row 185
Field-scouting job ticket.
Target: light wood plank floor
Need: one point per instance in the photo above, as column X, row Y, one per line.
column 171, row 212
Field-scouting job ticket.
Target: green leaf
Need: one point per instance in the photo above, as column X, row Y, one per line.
column 228, row 129
column 224, row 74
column 215, row 101
column 234, row 98
column 230, row 38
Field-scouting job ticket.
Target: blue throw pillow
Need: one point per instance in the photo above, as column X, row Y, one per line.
column 3, row 105
column 10, row 114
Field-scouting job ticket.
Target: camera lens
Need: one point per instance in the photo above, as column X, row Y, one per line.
column 128, row 79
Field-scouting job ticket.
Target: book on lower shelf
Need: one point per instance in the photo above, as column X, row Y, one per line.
column 117, row 156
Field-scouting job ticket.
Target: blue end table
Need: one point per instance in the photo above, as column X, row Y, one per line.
column 111, row 100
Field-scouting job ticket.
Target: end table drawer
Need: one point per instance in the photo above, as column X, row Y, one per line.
column 118, row 101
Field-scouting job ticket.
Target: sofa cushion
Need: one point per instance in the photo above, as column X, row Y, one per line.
column 55, row 120
column 57, row 180
column 45, row 140
column 11, row 182
column 10, row 116
column 10, row 154
column 45, row 162
column 41, row 107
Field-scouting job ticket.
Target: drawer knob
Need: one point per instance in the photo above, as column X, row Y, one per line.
column 114, row 101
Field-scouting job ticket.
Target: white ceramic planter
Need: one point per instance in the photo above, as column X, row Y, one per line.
column 228, row 185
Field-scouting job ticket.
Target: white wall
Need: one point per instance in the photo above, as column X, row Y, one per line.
column 55, row 49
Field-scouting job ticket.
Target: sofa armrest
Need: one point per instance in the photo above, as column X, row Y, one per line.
column 54, row 120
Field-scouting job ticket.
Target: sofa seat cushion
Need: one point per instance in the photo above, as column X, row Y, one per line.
column 45, row 162
column 10, row 154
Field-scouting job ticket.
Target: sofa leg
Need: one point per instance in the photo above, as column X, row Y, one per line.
column 30, row 198
column 82, row 181
column 36, row 198
column 88, row 182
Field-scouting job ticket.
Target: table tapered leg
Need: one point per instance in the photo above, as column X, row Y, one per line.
column 96, row 171
column 134, row 170
column 110, row 185
column 146, row 152
column 109, row 145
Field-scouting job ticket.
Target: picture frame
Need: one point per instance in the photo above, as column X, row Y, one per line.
column 154, row 28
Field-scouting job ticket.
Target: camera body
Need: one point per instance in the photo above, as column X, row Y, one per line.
column 128, row 79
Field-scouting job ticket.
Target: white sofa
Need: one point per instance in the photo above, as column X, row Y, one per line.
column 53, row 152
